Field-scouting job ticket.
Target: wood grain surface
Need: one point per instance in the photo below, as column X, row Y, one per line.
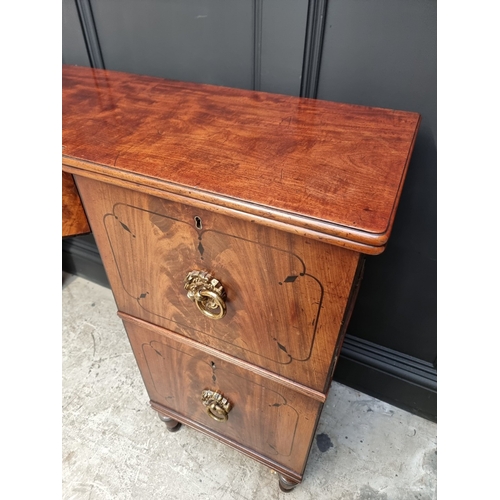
column 276, row 197
column 286, row 295
column 74, row 220
column 335, row 169
column 261, row 372
column 266, row 417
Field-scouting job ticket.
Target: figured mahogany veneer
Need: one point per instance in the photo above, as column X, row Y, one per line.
column 278, row 198
column 267, row 418
column 286, row 295
column 74, row 220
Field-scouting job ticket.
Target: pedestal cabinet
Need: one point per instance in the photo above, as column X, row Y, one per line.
column 233, row 226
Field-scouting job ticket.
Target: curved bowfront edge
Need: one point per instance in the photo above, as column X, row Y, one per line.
column 349, row 238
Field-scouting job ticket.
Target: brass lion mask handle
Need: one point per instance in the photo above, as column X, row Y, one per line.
column 217, row 406
column 207, row 293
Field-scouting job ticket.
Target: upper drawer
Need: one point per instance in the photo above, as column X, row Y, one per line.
column 285, row 295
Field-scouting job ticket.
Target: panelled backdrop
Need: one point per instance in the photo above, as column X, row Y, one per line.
column 371, row 52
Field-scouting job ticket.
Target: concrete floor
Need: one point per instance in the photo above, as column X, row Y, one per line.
column 115, row 447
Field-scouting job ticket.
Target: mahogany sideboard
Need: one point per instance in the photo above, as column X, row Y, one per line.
column 233, row 226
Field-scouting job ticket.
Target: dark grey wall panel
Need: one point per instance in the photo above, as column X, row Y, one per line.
column 208, row 41
column 313, row 47
column 74, row 50
column 383, row 53
column 397, row 304
column 283, row 35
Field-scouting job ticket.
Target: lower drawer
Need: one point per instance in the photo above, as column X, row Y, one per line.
column 267, row 420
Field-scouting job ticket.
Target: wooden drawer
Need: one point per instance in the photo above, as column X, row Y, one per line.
column 266, row 418
column 286, row 295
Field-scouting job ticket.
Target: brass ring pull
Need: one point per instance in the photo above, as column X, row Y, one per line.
column 204, row 306
column 218, row 406
column 217, row 412
column 207, row 293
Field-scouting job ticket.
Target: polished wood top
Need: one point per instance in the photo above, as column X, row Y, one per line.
column 335, row 170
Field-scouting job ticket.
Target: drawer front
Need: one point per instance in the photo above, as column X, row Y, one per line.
column 285, row 295
column 264, row 417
